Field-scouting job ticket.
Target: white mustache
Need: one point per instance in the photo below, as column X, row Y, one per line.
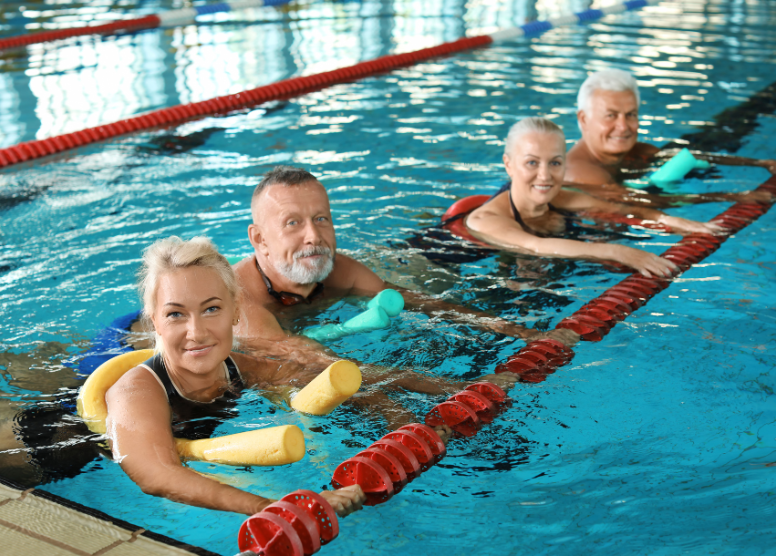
column 312, row 251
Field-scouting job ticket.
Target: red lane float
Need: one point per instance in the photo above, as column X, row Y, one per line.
column 129, row 25
column 296, row 525
column 285, row 89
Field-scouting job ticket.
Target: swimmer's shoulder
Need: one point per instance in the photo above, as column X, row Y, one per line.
column 497, row 206
column 138, row 383
column 644, row 150
column 349, row 274
column 583, row 173
column 641, row 155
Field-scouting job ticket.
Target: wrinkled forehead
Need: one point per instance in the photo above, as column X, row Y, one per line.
column 603, row 100
column 274, row 200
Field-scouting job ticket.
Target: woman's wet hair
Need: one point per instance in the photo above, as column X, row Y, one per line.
column 530, row 125
column 173, row 253
column 606, row 80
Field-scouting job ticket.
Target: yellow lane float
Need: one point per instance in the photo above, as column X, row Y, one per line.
column 268, row 446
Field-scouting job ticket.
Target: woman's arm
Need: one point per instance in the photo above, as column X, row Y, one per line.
column 504, row 232
column 139, row 429
column 576, row 201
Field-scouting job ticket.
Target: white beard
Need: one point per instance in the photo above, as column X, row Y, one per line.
column 310, row 272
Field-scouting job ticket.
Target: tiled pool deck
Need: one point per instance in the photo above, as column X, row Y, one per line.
column 37, row 523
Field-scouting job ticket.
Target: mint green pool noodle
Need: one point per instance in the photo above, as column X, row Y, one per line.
column 373, row 318
column 391, row 302
column 675, row 169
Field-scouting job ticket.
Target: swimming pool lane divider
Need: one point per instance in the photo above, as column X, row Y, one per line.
column 289, row 88
column 171, row 18
column 389, row 464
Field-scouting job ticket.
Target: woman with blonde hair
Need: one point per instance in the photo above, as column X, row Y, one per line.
column 190, row 295
column 528, row 214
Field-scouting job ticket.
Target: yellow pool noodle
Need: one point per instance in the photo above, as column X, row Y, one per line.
column 269, row 446
column 329, row 389
column 91, row 397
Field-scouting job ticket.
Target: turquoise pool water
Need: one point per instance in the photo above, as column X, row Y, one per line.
column 658, row 440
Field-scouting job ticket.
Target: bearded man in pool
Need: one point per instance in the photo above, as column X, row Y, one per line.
column 296, row 271
column 608, row 117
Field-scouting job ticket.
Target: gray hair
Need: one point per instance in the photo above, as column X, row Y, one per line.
column 606, row 80
column 530, row 125
column 173, row 253
column 283, row 175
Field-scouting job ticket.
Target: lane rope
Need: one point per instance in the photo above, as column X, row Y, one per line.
column 289, row 88
column 389, row 464
column 171, row 18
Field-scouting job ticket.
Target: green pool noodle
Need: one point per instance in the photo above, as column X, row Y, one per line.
column 373, row 318
column 677, row 167
column 391, row 302
column 233, row 260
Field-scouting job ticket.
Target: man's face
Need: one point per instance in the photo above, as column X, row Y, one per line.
column 611, row 125
column 293, row 230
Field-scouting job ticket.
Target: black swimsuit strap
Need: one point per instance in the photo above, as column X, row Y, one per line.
column 156, row 364
column 519, row 219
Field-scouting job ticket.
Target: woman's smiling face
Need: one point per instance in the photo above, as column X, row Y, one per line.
column 536, row 166
column 194, row 318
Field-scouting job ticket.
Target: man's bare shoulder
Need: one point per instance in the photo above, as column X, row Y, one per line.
column 585, row 172
column 642, row 152
column 349, row 274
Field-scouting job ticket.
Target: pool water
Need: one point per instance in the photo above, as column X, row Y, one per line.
column 660, row 439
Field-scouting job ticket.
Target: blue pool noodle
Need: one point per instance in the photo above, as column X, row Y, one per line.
column 386, row 304
column 677, row 168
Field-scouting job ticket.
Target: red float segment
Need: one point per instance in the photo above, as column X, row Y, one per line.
column 430, row 436
column 518, row 365
column 494, row 393
column 302, row 522
column 276, row 91
column 601, row 314
column 390, row 463
column 266, row 533
column 479, row 403
column 559, row 346
column 609, row 308
column 371, row 477
column 589, row 328
column 402, row 453
column 319, row 509
column 459, row 417
column 416, row 444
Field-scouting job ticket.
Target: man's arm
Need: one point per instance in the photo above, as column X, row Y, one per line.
column 260, row 332
column 478, row 319
column 730, row 160
column 596, row 180
column 360, row 280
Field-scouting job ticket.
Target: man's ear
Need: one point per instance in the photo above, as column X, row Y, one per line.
column 257, row 239
column 581, row 119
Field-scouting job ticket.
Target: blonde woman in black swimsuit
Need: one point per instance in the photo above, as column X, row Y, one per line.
column 528, row 215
